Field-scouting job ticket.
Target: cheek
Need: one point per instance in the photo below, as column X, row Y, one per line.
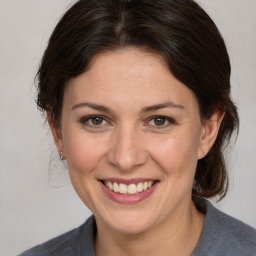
column 83, row 152
column 178, row 160
column 177, row 155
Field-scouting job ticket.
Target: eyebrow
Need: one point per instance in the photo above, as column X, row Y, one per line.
column 102, row 108
column 168, row 104
column 93, row 106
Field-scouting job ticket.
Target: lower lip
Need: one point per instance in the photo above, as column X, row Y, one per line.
column 128, row 199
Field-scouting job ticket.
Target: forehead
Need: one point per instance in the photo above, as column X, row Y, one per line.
column 128, row 55
column 130, row 73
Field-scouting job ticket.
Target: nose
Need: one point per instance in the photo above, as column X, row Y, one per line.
column 127, row 150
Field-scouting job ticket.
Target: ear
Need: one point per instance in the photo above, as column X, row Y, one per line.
column 56, row 133
column 209, row 133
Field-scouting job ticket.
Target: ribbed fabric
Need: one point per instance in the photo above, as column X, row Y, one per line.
column 222, row 235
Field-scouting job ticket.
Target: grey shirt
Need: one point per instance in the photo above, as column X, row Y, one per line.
column 222, row 235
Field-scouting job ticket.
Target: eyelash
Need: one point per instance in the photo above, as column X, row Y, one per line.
column 170, row 121
column 85, row 121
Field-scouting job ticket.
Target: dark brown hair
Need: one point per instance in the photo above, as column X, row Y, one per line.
column 180, row 30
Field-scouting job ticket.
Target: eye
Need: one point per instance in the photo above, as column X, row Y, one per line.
column 94, row 121
column 161, row 121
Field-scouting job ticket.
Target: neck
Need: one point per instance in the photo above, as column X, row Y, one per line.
column 177, row 235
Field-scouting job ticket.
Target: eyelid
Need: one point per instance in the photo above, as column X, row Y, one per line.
column 83, row 120
column 171, row 121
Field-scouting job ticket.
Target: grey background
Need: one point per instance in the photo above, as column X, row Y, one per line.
column 37, row 201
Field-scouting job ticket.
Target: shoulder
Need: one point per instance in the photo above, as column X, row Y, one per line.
column 225, row 235
column 240, row 237
column 68, row 244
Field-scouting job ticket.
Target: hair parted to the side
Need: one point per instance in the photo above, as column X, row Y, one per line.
column 179, row 30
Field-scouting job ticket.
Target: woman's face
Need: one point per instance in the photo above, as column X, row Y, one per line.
column 132, row 136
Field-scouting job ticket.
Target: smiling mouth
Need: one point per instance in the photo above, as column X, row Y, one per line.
column 129, row 189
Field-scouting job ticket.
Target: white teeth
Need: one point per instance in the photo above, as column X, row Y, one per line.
column 115, row 187
column 140, row 187
column 123, row 188
column 109, row 185
column 130, row 189
column 150, row 183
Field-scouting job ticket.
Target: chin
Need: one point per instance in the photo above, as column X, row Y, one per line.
column 128, row 222
column 131, row 227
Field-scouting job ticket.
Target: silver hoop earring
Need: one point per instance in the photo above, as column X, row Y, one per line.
column 61, row 156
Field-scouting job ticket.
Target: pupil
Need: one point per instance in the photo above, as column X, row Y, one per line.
column 97, row 120
column 159, row 121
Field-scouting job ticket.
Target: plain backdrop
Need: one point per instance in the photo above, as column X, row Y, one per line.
column 37, row 201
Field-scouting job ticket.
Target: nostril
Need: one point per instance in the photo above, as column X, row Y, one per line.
column 127, row 160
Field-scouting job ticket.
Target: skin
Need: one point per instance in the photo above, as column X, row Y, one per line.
column 127, row 142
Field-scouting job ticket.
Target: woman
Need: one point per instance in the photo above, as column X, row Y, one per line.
column 137, row 96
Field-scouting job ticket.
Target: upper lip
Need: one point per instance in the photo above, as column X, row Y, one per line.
column 128, row 181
